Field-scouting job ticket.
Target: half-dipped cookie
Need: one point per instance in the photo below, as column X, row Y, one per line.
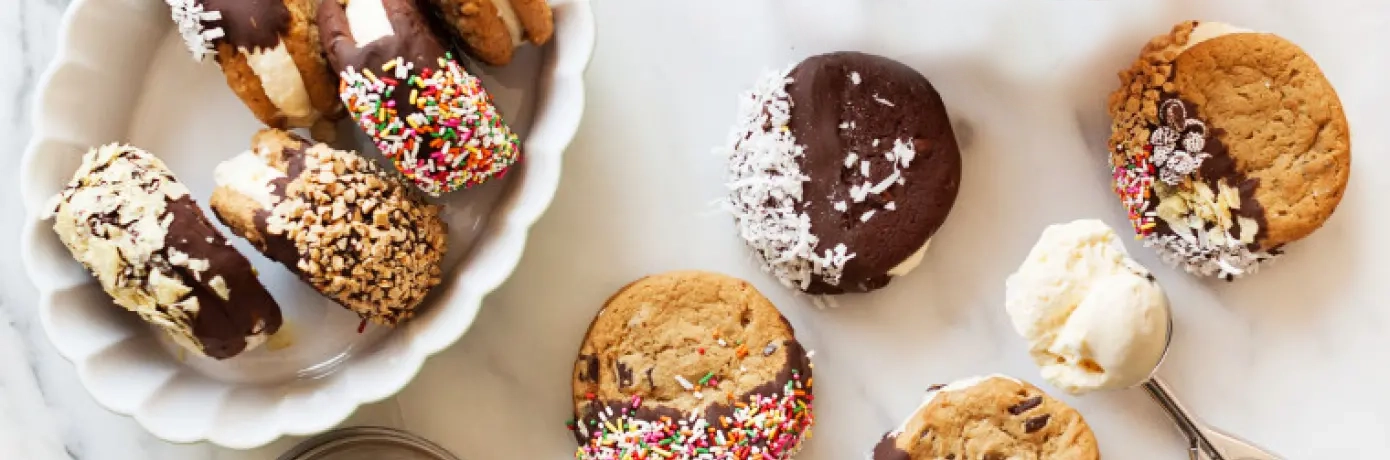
column 493, row 29
column 431, row 118
column 136, row 228
column 271, row 55
column 332, row 217
column 993, row 417
column 840, row 171
column 1227, row 144
column 687, row 365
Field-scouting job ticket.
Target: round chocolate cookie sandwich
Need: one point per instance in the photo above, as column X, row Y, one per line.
column 332, row 217
column 492, row 29
column 993, row 417
column 134, row 226
column 1226, row 145
column 428, row 115
column 688, row 365
column 270, row 53
column 840, row 171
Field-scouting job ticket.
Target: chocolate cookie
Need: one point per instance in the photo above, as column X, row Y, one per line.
column 841, row 170
column 990, row 418
column 351, row 232
column 492, row 29
column 270, row 53
column 432, row 119
column 1227, row 144
column 687, row 363
column 135, row 227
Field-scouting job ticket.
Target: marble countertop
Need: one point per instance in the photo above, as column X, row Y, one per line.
column 1291, row 358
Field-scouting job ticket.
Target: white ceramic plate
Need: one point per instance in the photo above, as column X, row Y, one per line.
column 122, row 75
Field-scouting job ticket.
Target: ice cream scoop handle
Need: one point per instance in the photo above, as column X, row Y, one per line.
column 1214, row 444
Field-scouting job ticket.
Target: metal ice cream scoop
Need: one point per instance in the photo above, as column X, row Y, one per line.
column 1203, row 441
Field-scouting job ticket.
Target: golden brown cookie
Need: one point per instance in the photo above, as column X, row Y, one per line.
column 990, row 418
column 492, row 29
column 1227, row 144
column 332, row 217
column 270, row 53
column 687, row 360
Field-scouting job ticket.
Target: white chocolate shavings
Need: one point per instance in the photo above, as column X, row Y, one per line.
column 765, row 189
column 854, row 78
column 192, row 21
column 114, row 217
column 883, row 101
column 365, row 240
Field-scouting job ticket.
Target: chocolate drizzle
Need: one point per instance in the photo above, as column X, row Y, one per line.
column 254, row 25
column 852, row 102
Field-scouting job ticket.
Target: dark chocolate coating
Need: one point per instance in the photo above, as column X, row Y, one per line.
column 887, row 449
column 413, row 39
column 220, row 325
column 251, row 24
column 824, row 96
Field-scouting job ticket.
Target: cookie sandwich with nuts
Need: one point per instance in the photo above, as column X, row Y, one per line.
column 269, row 51
column 493, row 29
column 840, row 171
column 136, row 228
column 431, row 118
column 1226, row 145
column 687, row 365
column 332, row 217
column 993, row 417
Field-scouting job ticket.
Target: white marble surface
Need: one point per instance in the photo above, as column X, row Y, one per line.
column 1291, row 358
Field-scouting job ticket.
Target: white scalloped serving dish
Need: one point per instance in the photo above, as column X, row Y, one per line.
column 122, row 75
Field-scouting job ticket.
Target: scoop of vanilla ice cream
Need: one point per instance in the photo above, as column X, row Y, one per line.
column 1094, row 318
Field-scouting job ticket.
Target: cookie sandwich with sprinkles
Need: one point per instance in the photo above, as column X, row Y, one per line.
column 493, row 29
column 691, row 365
column 432, row 119
column 353, row 233
column 840, row 171
column 270, row 53
column 1226, row 145
column 136, row 228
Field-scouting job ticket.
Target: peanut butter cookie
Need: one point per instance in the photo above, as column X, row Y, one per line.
column 990, row 418
column 1227, row 144
column 687, row 363
column 493, row 29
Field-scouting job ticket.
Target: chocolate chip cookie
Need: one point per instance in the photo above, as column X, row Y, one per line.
column 1227, row 144
column 332, row 217
column 493, row 29
column 270, row 54
column 136, row 228
column 690, row 362
column 990, row 418
column 840, row 171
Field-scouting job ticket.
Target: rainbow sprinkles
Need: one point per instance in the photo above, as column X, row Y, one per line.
column 437, row 125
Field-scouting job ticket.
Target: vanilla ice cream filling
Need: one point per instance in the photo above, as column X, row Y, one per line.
column 912, row 261
column 282, row 83
column 249, row 175
column 367, row 21
column 509, row 17
column 1207, row 30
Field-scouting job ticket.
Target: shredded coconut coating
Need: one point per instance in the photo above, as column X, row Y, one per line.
column 765, row 189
